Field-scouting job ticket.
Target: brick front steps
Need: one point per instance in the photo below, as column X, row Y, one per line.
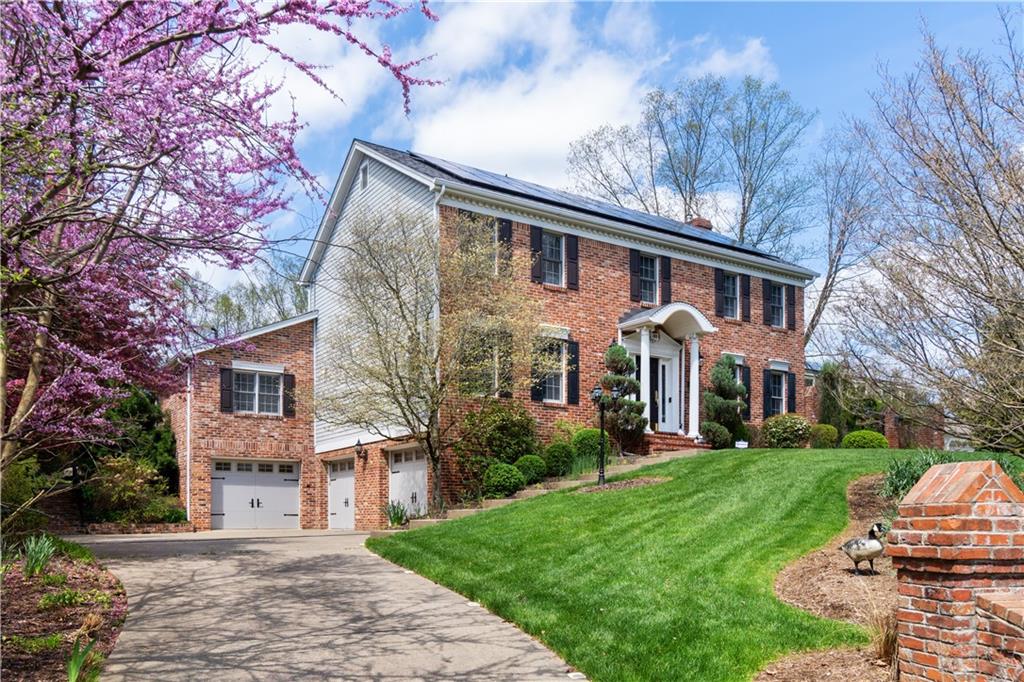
column 627, row 465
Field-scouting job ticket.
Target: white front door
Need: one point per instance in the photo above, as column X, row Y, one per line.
column 248, row 494
column 409, row 481
column 341, row 477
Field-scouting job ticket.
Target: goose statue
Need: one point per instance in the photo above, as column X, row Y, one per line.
column 865, row 549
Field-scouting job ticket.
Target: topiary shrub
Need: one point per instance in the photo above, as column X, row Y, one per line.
column 625, row 420
column 716, row 435
column 587, row 443
column 532, row 467
column 865, row 439
column 725, row 401
column 559, row 458
column 824, row 436
column 785, row 431
column 502, row 480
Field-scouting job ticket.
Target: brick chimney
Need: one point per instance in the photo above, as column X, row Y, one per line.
column 702, row 223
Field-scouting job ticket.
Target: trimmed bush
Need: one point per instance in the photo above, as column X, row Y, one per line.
column 502, row 480
column 824, row 436
column 754, row 436
column 559, row 458
column 587, row 443
column 865, row 439
column 503, row 431
column 716, row 435
column 785, row 431
column 532, row 467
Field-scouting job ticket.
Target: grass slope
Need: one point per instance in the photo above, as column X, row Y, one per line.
column 668, row 582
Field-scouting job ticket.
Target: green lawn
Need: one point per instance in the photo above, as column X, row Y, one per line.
column 668, row 582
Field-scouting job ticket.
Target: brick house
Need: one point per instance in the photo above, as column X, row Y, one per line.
column 676, row 295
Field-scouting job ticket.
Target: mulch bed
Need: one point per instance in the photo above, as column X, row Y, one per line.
column 849, row 665
column 20, row 615
column 825, row 584
column 624, row 485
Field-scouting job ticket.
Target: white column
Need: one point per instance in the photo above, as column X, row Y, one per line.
column 645, row 373
column 694, row 387
column 680, row 382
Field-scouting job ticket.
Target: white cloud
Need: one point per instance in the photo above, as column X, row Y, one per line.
column 629, row 24
column 754, row 59
column 521, row 85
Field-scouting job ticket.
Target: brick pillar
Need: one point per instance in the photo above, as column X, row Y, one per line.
column 959, row 536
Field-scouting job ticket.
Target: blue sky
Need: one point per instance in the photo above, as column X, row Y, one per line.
column 523, row 80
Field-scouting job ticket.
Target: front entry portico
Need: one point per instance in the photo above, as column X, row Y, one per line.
column 663, row 339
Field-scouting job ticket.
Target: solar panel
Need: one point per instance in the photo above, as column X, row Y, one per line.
column 504, row 183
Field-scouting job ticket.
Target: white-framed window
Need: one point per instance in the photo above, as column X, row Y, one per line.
column 364, row 176
column 553, row 258
column 257, row 392
column 222, row 466
column 731, row 296
column 777, row 305
column 648, row 278
column 243, row 466
column 265, row 468
column 553, row 385
column 285, row 468
column 776, row 393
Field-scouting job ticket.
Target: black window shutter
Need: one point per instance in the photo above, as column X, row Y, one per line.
column 572, row 261
column 288, row 403
column 745, row 296
column 791, row 393
column 766, row 293
column 504, row 366
column 536, row 389
column 666, row 280
column 536, row 246
column 719, row 292
column 573, row 378
column 227, row 387
column 791, row 306
column 505, row 231
column 634, row 275
column 767, row 390
column 745, row 373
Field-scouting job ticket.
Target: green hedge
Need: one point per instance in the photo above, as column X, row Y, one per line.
column 532, row 467
column 785, row 431
column 502, row 480
column 824, row 436
column 865, row 439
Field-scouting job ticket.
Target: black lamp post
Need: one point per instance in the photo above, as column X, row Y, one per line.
column 596, row 395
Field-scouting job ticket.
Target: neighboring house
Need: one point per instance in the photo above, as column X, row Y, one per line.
column 677, row 295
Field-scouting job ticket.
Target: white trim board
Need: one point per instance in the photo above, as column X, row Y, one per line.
column 258, row 331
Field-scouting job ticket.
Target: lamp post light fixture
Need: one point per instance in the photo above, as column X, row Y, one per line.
column 360, row 449
column 596, row 395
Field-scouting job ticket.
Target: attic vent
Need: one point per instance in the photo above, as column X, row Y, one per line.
column 364, row 176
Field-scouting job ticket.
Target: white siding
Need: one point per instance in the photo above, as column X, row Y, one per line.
column 387, row 190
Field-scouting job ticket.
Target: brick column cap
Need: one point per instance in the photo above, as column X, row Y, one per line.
column 962, row 483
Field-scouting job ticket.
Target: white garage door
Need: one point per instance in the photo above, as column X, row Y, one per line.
column 247, row 494
column 341, row 486
column 409, row 481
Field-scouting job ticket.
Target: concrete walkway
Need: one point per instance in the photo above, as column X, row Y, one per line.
column 286, row 605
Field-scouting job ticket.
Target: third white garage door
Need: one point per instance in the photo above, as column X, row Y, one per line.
column 341, row 476
column 409, row 481
column 249, row 494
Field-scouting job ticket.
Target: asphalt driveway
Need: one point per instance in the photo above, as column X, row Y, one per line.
column 291, row 605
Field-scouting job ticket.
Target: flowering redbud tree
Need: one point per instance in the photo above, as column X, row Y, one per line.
column 137, row 141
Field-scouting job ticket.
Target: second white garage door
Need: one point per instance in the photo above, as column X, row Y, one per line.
column 248, row 494
column 341, row 476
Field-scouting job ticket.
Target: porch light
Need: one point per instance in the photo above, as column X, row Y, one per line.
column 361, row 452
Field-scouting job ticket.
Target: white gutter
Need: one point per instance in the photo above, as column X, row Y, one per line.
column 188, row 445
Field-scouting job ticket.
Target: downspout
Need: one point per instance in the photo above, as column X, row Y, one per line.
column 188, row 445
